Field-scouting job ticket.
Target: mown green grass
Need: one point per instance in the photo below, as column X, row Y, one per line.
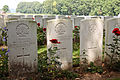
column 114, row 79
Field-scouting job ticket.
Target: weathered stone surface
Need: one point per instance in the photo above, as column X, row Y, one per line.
column 91, row 38
column 61, row 29
column 22, row 43
column 110, row 25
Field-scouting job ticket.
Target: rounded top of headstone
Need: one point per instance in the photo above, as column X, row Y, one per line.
column 22, row 20
column 12, row 16
column 91, row 19
column 29, row 19
column 48, row 16
column 58, row 20
column 28, row 16
column 113, row 18
column 60, row 17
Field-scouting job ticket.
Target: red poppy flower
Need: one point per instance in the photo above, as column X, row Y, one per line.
column 38, row 24
column 32, row 18
column 55, row 41
column 75, row 26
column 117, row 33
column 44, row 29
column 115, row 30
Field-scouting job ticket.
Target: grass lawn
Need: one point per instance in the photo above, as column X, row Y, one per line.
column 114, row 79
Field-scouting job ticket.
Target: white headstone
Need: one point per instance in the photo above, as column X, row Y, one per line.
column 91, row 38
column 22, row 43
column 110, row 25
column 61, row 29
column 89, row 17
column 105, row 21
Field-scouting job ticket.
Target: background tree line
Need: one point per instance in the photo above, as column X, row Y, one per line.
column 71, row 7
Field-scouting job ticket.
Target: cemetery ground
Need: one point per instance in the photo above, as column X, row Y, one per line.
column 49, row 72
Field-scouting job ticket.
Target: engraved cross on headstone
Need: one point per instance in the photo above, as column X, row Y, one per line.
column 23, row 55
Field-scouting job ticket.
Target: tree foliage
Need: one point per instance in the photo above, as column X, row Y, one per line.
column 72, row 7
column 5, row 8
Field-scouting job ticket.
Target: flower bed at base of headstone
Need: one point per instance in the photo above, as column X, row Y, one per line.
column 3, row 62
column 4, row 36
column 113, row 58
column 4, row 54
column 49, row 70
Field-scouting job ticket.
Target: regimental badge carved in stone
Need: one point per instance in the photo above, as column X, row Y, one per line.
column 92, row 27
column 22, row 30
column 60, row 28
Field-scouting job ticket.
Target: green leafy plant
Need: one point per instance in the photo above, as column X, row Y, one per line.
column 94, row 69
column 50, row 71
column 90, row 67
column 4, row 35
column 76, row 36
column 114, row 48
column 3, row 62
column 41, row 35
column 52, row 52
column 4, row 54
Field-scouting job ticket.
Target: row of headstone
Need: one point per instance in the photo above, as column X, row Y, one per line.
column 91, row 38
column 42, row 19
column 22, row 41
